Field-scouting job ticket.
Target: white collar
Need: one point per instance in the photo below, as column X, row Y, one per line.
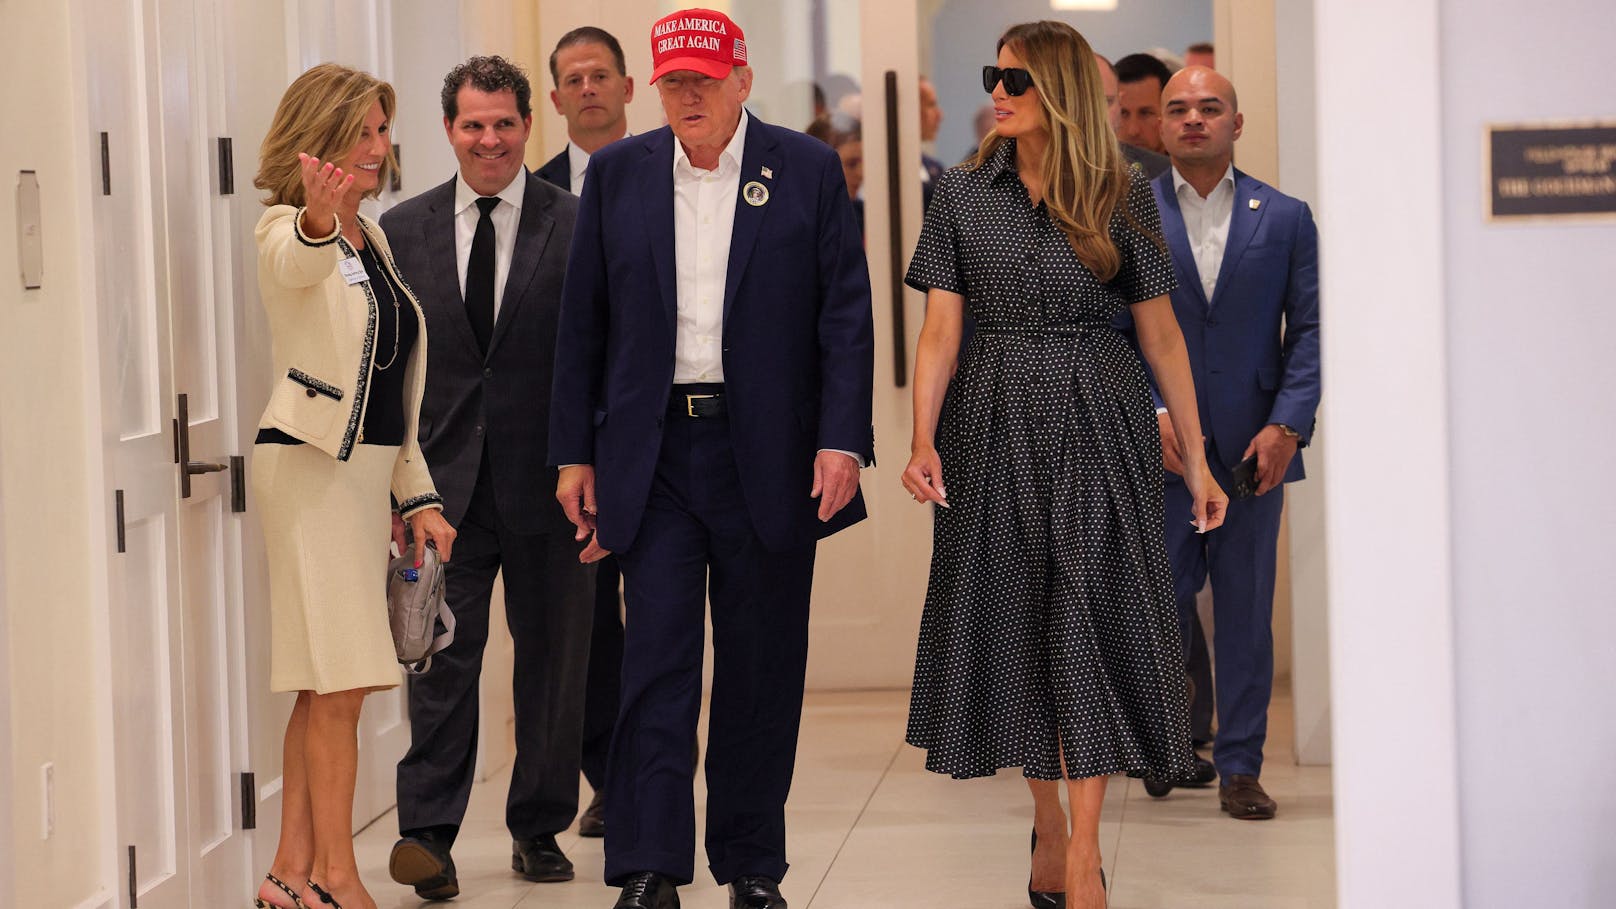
column 465, row 196
column 1179, row 183
column 575, row 152
column 735, row 151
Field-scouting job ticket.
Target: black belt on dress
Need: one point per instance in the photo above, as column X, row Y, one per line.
column 702, row 400
column 1035, row 330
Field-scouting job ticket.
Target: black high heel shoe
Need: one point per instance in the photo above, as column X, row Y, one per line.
column 325, row 897
column 297, row 901
column 1043, row 899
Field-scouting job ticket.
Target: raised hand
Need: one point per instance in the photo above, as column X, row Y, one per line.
column 324, row 188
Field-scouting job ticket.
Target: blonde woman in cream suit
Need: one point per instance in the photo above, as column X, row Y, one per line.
column 338, row 436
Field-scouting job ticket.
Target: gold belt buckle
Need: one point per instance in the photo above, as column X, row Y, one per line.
column 690, row 403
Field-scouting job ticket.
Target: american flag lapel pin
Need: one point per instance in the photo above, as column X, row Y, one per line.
column 768, row 174
column 1255, row 204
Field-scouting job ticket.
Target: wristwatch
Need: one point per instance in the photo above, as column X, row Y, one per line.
column 1289, row 432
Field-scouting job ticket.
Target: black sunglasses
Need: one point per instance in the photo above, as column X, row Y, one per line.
column 1016, row 81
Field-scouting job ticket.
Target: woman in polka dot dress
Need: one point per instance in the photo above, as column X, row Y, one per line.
column 1050, row 636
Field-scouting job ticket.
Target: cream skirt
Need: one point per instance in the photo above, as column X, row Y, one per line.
column 326, row 529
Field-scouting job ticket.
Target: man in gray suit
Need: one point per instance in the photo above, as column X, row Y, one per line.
column 486, row 252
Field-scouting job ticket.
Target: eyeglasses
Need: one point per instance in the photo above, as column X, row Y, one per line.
column 1016, row 81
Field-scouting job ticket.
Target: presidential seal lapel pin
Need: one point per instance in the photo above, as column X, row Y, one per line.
column 755, row 193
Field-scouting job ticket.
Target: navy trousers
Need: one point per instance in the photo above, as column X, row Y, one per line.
column 696, row 544
column 1240, row 558
column 547, row 606
column 605, row 672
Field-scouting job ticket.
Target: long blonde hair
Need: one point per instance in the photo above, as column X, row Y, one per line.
column 322, row 114
column 1085, row 176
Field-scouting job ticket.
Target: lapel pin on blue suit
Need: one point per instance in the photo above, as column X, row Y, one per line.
column 1255, row 204
column 755, row 193
column 768, row 174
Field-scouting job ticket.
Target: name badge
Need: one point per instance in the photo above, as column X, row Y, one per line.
column 353, row 270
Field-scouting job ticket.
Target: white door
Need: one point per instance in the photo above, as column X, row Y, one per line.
column 179, row 735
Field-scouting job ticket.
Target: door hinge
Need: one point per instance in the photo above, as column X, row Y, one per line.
column 238, row 484
column 106, row 165
column 227, row 167
column 134, row 897
column 117, row 502
column 249, row 802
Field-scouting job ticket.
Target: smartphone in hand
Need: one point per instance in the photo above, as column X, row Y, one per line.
column 1244, row 475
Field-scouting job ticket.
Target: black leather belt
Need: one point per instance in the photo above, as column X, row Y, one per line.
column 699, row 401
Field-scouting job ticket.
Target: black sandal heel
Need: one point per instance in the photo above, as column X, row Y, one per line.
column 325, row 897
column 297, row 901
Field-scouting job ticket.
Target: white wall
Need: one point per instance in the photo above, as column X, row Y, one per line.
column 1381, row 206
column 8, row 891
column 426, row 45
column 1308, row 598
column 962, row 35
column 1530, row 324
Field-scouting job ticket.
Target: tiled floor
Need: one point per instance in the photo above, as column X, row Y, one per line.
column 871, row 829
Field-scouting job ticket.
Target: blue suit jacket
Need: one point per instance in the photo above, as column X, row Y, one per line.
column 558, row 171
column 1254, row 347
column 798, row 343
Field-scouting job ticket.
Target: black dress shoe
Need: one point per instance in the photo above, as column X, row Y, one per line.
column 754, row 891
column 1204, row 775
column 647, row 890
column 592, row 823
column 422, row 861
column 540, row 860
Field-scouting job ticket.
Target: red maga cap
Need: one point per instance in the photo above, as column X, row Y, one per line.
column 703, row 40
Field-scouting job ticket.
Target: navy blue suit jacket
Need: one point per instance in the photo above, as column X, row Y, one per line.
column 798, row 343
column 1254, row 347
column 558, row 171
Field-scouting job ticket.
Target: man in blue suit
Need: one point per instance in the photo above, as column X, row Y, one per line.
column 710, row 413
column 1246, row 256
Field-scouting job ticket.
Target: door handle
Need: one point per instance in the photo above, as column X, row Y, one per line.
column 182, row 446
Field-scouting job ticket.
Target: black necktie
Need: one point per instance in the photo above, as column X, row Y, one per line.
column 480, row 274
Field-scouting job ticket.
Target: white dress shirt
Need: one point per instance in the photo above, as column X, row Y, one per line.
column 507, row 215
column 577, row 166
column 578, row 163
column 703, row 217
column 1206, row 222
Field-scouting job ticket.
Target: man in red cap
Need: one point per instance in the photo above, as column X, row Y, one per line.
column 710, row 413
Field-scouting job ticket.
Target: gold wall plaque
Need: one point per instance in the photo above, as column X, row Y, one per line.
column 1551, row 171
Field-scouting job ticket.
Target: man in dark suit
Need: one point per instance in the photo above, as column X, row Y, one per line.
column 1152, row 164
column 592, row 91
column 711, row 411
column 1246, row 256
column 1140, row 78
column 486, row 253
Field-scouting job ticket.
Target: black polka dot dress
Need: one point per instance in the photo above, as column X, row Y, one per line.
column 1050, row 620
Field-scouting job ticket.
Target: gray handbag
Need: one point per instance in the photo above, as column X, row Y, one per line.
column 415, row 605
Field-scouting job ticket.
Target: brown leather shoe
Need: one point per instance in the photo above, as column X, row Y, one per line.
column 1243, row 797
